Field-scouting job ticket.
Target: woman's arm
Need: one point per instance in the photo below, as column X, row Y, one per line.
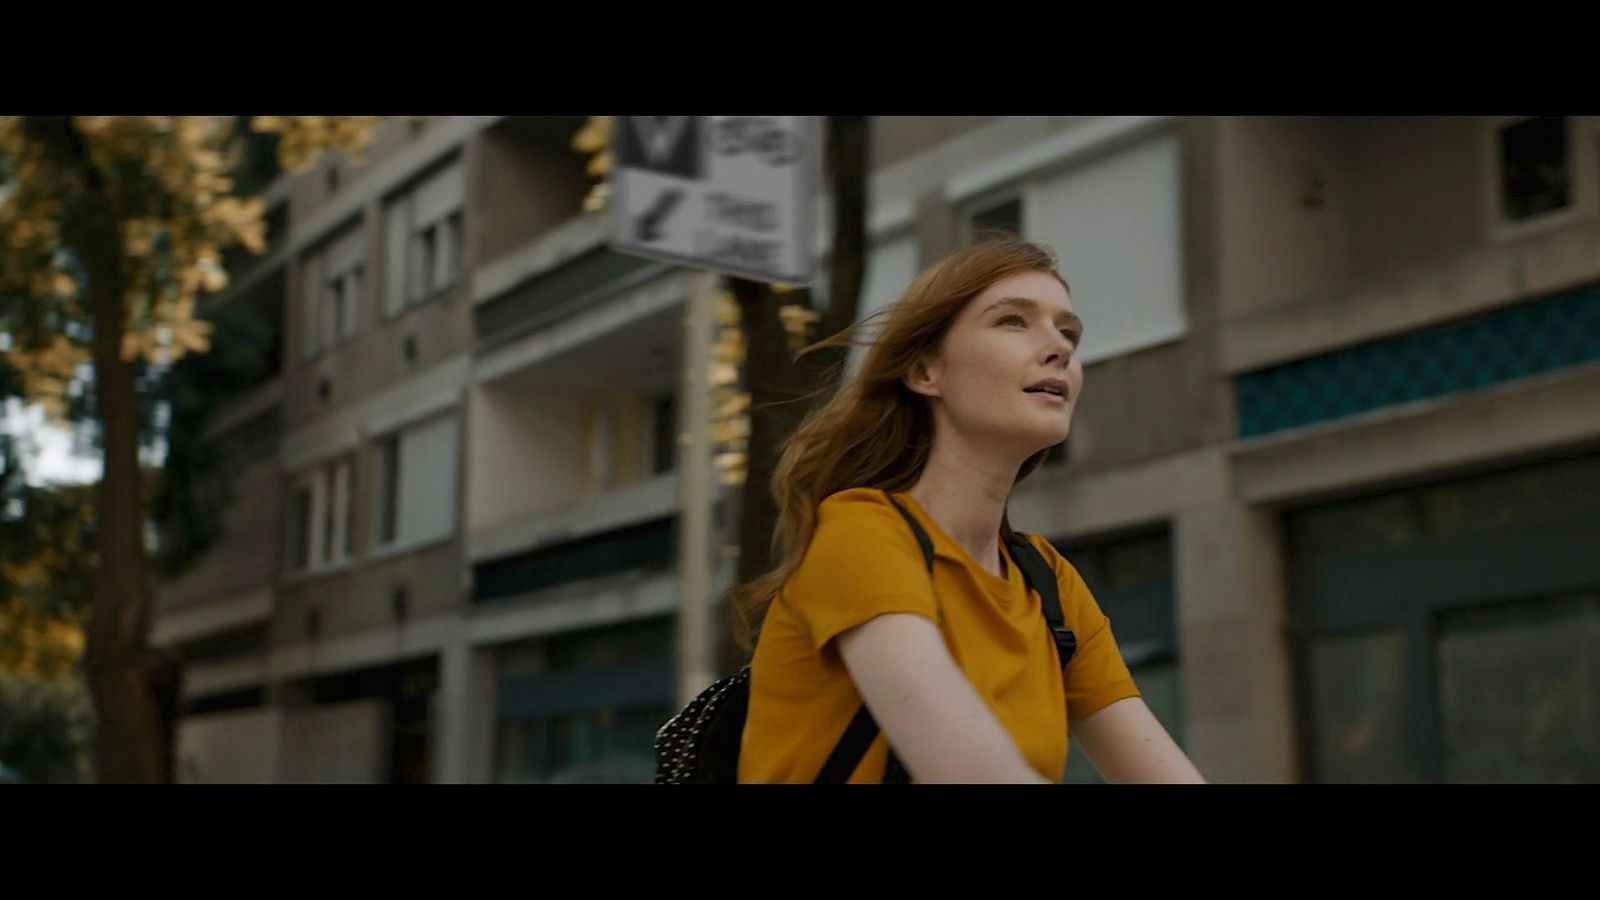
column 940, row 727
column 1127, row 744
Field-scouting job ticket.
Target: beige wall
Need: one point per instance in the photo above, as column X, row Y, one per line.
column 374, row 359
column 527, row 448
column 229, row 748
column 894, row 138
column 524, row 188
column 623, row 414
column 247, row 553
column 1399, row 197
column 343, row 743
column 359, row 598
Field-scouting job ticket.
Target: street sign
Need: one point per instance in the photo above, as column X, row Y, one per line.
column 731, row 194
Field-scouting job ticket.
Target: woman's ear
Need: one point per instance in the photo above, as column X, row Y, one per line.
column 923, row 377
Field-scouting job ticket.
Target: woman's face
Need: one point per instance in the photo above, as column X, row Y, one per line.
column 1008, row 371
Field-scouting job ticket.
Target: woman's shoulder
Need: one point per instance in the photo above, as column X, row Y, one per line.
column 861, row 517
column 861, row 540
column 853, row 505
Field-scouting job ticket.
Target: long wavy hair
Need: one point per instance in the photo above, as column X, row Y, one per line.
column 874, row 431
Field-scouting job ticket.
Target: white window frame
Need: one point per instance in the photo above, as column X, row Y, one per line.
column 332, row 486
column 404, row 541
column 341, row 475
column 433, row 251
column 1027, row 186
column 1583, row 159
column 327, row 325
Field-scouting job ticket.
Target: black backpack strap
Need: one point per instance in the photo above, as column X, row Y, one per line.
column 863, row 729
column 923, row 541
column 852, row 746
column 1042, row 578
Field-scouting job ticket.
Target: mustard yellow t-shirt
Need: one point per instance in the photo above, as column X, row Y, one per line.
column 863, row 561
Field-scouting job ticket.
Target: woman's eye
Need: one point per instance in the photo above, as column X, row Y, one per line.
column 1013, row 317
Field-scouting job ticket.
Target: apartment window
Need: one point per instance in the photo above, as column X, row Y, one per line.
column 300, row 521
column 331, row 295
column 335, row 307
column 422, row 269
column 320, row 523
column 664, row 433
column 416, row 501
column 1002, row 218
column 1131, row 578
column 341, row 293
column 330, row 530
column 389, row 493
column 1535, row 167
column 342, row 477
column 1125, row 266
column 424, row 240
column 1435, row 616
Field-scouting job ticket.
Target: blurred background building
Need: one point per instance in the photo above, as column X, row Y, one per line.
column 1335, row 475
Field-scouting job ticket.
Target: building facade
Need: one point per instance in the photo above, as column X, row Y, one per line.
column 1335, row 475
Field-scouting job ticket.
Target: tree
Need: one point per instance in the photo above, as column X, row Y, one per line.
column 773, row 322
column 111, row 230
column 44, row 567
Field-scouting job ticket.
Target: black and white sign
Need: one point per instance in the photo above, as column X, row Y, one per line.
column 731, row 194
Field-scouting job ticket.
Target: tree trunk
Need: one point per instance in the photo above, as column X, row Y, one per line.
column 127, row 740
column 777, row 384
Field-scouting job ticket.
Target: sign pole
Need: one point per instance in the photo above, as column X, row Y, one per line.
column 696, row 670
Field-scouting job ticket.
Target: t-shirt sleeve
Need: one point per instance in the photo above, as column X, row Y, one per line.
column 1096, row 676
column 863, row 562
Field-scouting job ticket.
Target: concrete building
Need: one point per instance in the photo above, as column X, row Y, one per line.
column 1335, row 475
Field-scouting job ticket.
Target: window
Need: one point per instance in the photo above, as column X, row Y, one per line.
column 300, row 537
column 335, row 309
column 342, row 292
column 1517, row 684
column 1003, row 218
column 664, row 446
column 341, row 522
column 330, row 531
column 1447, row 632
column 389, row 494
column 424, row 238
column 1361, row 730
column 1535, row 169
column 1131, row 578
column 320, row 522
column 1114, row 221
column 331, row 295
column 416, row 498
column 590, row 711
column 421, row 254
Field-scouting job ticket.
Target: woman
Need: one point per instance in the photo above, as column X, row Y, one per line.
column 972, row 377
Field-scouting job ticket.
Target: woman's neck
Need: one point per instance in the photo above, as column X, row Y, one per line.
column 965, row 492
